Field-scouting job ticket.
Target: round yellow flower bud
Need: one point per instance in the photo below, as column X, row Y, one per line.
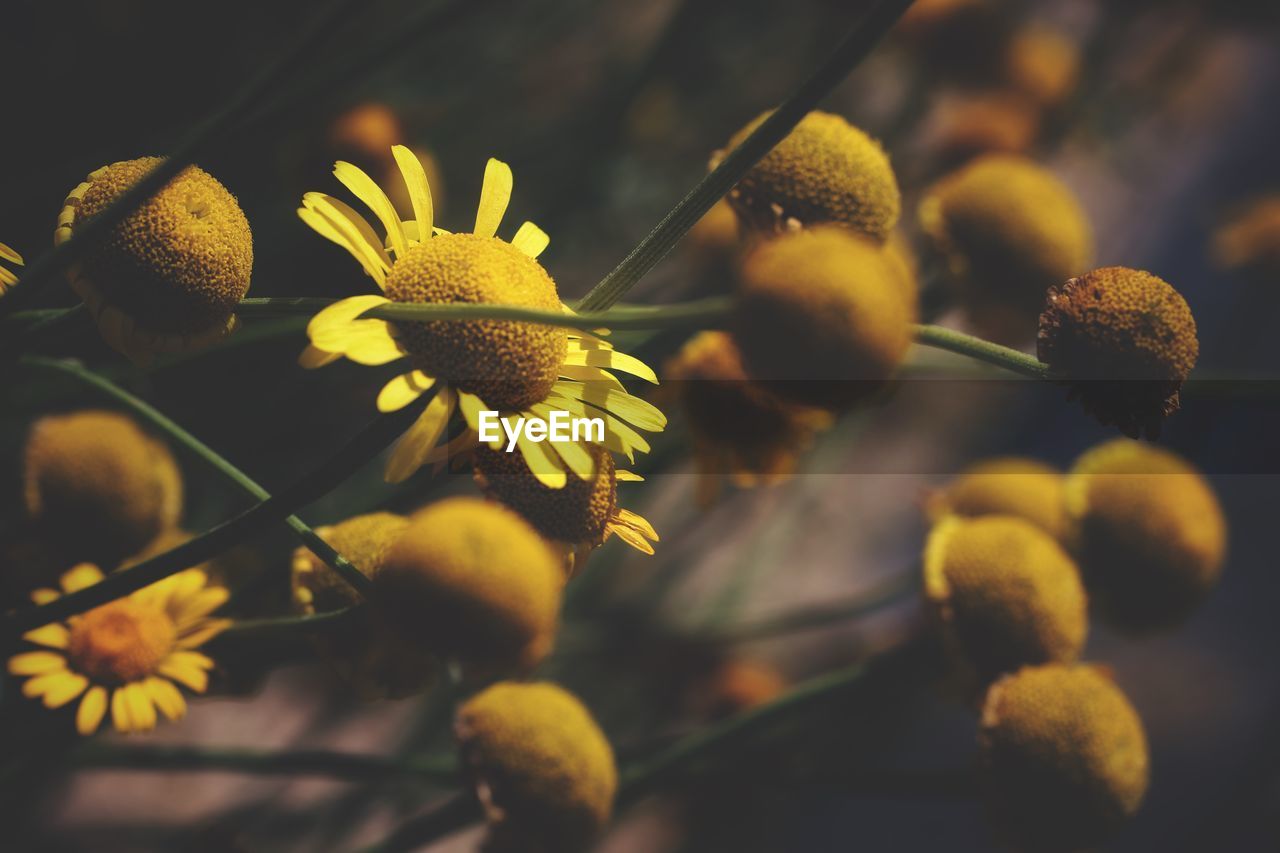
column 1043, row 64
column 1009, row 230
column 507, row 364
column 820, row 319
column 824, row 171
column 170, row 275
column 545, row 773
column 1012, row 486
column 1123, row 341
column 364, row 540
column 473, row 581
column 97, row 486
column 1148, row 530
column 1005, row 594
column 1064, row 755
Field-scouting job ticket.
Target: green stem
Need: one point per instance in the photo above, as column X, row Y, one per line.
column 856, row 46
column 985, row 351
column 339, row 765
column 891, row 591
column 631, row 317
column 368, row 442
column 312, row 622
column 162, row 422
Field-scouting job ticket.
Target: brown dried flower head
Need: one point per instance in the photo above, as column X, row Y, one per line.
column 1124, row 341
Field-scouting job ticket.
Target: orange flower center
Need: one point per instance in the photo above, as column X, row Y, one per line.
column 121, row 642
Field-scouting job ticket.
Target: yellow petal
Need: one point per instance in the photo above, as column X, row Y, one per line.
column 343, row 313
column 411, row 450
column 142, row 711
column 612, row 359
column 166, row 697
column 201, row 605
column 494, row 197
column 10, row 255
column 120, row 711
column 368, row 191
column 619, row 436
column 635, row 522
column 627, row 476
column 92, row 708
column 68, row 686
column 403, row 390
column 531, row 240
column 53, row 636
column 7, row 278
column 367, row 342
column 543, row 464
column 204, row 631
column 471, row 407
column 312, row 357
column 582, row 373
column 415, row 180
column 83, row 575
column 36, row 663
column 188, row 669
column 631, row 537
column 335, row 221
column 642, row 414
column 44, row 596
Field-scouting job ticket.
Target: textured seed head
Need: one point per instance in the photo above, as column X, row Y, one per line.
column 825, row 171
column 99, row 487
column 1064, row 755
column 544, row 771
column 472, row 580
column 120, row 642
column 1124, row 341
column 364, row 540
column 576, row 513
column 509, row 365
column 821, row 319
column 181, row 261
column 1009, row 230
column 1006, row 595
column 1149, row 532
column 1012, row 486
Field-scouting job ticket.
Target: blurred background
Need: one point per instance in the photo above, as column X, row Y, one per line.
column 608, row 111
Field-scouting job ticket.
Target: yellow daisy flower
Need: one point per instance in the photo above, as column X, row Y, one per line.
column 518, row 369
column 126, row 654
column 7, row 278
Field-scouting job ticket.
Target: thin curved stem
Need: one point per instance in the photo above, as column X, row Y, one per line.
column 367, row 443
column 338, row 765
column 985, row 351
column 864, row 36
column 312, row 622
column 631, row 317
column 162, row 422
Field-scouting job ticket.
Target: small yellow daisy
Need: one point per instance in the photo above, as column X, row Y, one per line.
column 517, row 369
column 127, row 653
column 7, row 278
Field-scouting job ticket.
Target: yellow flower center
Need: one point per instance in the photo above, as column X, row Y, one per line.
column 507, row 364
column 181, row 262
column 121, row 642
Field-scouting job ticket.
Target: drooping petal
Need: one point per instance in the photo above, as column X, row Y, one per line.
column 92, row 708
column 612, row 359
column 68, row 686
column 166, row 697
column 631, row 537
column 313, row 357
column 543, row 464
column 639, row 412
column 202, row 632
column 120, row 711
column 415, row 180
column 367, row 190
column 337, row 222
column 207, row 601
column 53, row 636
column 403, row 390
column 494, row 197
column 531, row 240
column 141, row 710
column 83, row 575
column 471, row 407
column 582, row 373
column 36, row 663
column 188, row 669
column 627, row 476
column 411, row 450
column 619, row 436
column 343, row 313
column 10, row 255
